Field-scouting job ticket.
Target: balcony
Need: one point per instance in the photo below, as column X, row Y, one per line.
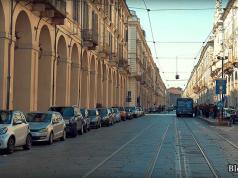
column 228, row 68
column 114, row 59
column 54, row 9
column 214, row 70
column 123, row 66
column 138, row 77
column 104, row 51
column 196, row 89
column 90, row 38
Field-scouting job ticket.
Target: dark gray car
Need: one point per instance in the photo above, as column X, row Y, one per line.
column 73, row 119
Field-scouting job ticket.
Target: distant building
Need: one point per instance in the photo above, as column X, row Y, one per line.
column 173, row 93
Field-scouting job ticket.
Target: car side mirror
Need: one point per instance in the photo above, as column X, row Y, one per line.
column 18, row 122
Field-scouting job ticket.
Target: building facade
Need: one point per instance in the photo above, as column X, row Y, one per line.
column 145, row 86
column 172, row 95
column 63, row 53
column 221, row 45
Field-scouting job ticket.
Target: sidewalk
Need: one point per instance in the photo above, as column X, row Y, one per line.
column 214, row 122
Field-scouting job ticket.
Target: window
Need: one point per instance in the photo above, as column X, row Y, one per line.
column 94, row 23
column 16, row 117
column 75, row 10
column 85, row 15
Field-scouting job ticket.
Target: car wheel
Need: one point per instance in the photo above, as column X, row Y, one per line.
column 10, row 145
column 75, row 131
column 88, row 127
column 50, row 141
column 85, row 128
column 81, row 130
column 63, row 138
column 28, row 144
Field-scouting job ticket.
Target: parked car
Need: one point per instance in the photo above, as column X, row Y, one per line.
column 138, row 111
column 123, row 113
column 128, row 113
column 106, row 116
column 95, row 119
column 46, row 126
column 73, row 119
column 234, row 117
column 117, row 114
column 113, row 115
column 142, row 111
column 14, row 131
column 134, row 111
column 84, row 113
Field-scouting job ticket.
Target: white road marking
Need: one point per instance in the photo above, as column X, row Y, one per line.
column 115, row 152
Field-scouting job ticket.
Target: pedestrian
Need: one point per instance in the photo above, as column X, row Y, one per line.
column 215, row 111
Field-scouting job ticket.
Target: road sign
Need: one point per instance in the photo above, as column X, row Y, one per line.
column 220, row 86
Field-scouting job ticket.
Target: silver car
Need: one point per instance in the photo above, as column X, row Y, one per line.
column 47, row 126
column 14, row 131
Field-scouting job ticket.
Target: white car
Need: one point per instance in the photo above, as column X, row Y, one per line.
column 14, row 131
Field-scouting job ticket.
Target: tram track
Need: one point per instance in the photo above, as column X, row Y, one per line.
column 199, row 146
column 153, row 161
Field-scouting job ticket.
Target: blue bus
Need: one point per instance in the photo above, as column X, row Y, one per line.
column 184, row 107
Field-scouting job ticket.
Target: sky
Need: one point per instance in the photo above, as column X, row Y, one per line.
column 176, row 26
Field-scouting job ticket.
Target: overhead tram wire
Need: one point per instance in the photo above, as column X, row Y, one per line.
column 176, row 9
column 171, row 42
column 152, row 34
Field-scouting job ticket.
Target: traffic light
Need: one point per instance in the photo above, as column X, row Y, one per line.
column 176, row 76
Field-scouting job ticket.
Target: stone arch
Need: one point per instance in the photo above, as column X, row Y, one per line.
column 92, row 93
column 2, row 18
column 110, row 87
column 44, row 67
column 121, row 90
column 61, row 71
column 99, row 83
column 74, row 76
column 114, row 88
column 3, row 58
column 22, row 63
column 84, row 84
column 105, row 84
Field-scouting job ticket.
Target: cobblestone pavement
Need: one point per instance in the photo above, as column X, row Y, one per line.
column 156, row 145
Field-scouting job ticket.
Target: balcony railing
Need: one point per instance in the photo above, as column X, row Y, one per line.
column 138, row 77
column 90, row 38
column 55, row 9
column 114, row 59
column 196, row 89
column 228, row 67
column 104, row 51
column 123, row 63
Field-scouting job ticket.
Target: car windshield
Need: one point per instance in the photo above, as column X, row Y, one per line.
column 82, row 112
column 127, row 109
column 5, row 117
column 91, row 113
column 64, row 111
column 103, row 112
column 132, row 108
column 38, row 117
column 115, row 110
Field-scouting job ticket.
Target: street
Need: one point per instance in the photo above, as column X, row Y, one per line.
column 156, row 145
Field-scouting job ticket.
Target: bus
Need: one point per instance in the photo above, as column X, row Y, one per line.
column 184, row 107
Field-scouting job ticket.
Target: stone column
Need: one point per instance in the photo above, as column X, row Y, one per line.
column 92, row 103
column 4, row 43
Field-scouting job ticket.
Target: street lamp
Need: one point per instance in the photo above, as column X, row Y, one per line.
column 222, row 58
